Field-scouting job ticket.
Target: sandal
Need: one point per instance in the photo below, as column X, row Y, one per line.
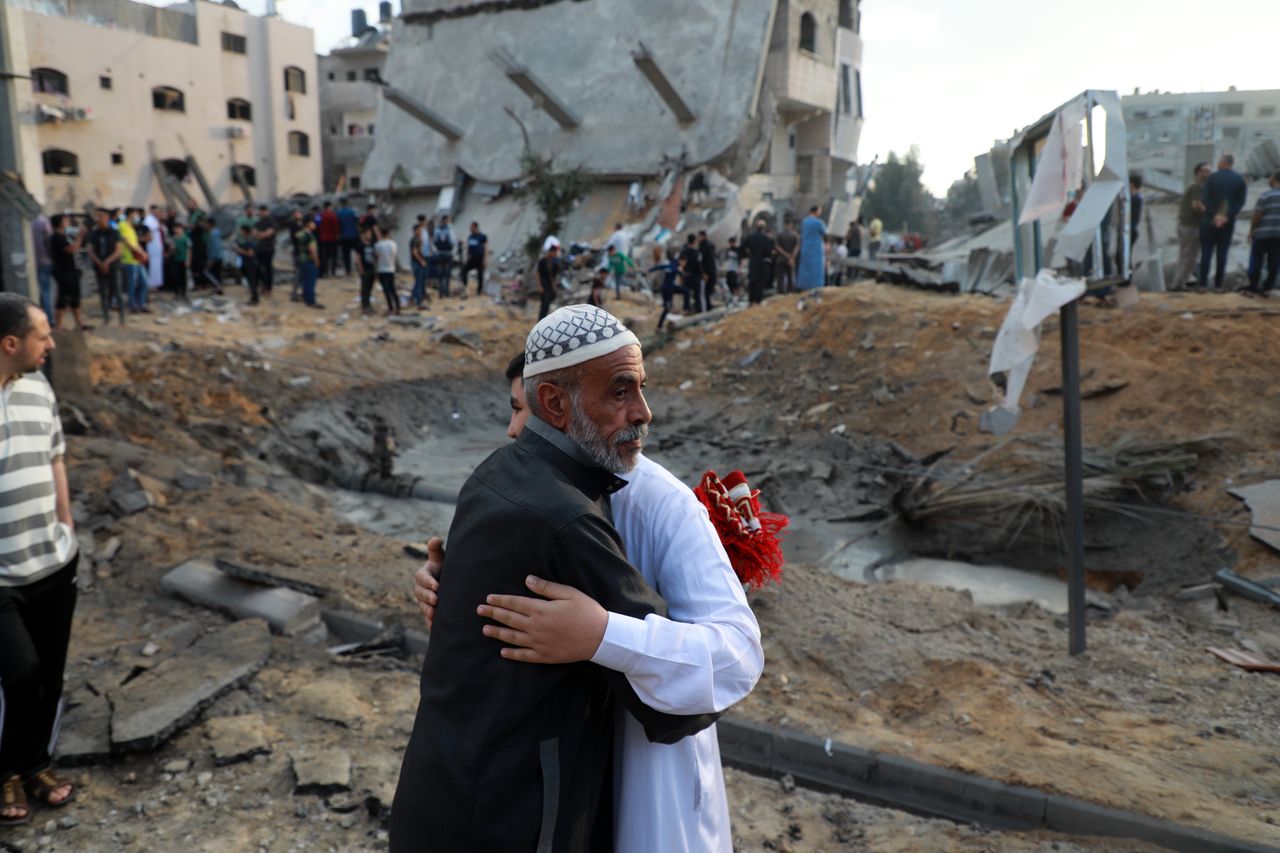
column 12, row 796
column 42, row 785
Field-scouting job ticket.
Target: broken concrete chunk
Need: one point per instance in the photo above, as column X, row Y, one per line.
column 158, row 703
column 1263, row 500
column 299, row 382
column 132, row 503
column 327, row 772
column 275, row 576
column 287, row 611
column 234, row 739
column 85, row 737
column 751, row 358
column 997, row 420
column 334, row 700
column 189, row 482
column 106, row 553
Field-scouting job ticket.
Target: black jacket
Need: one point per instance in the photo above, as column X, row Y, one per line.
column 509, row 756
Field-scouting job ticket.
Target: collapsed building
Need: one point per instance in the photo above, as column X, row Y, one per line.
column 756, row 101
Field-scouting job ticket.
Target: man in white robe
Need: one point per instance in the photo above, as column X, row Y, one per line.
column 155, row 249
column 704, row 659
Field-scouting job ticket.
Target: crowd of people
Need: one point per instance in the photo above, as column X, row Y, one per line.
column 696, row 272
column 131, row 252
column 1207, row 218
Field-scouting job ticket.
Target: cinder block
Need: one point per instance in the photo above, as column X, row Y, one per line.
column 287, row 611
column 1078, row 817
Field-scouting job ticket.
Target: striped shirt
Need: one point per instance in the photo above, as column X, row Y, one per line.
column 33, row 543
column 1269, row 226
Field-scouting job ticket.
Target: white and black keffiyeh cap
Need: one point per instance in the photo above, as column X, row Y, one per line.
column 571, row 335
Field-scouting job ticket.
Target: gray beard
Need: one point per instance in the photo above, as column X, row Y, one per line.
column 603, row 450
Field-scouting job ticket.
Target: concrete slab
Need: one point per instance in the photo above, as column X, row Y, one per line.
column 155, row 705
column 86, row 729
column 1263, row 500
column 286, row 576
column 351, row 627
column 1077, row 817
column 287, row 611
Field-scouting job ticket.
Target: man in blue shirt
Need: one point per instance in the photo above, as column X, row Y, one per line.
column 1224, row 196
column 348, row 232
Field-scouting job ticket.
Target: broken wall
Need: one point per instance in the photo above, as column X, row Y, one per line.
column 583, row 56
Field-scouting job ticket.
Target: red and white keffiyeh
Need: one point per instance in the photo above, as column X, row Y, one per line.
column 751, row 538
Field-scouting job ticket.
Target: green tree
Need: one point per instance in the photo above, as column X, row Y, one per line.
column 963, row 200
column 899, row 198
column 553, row 193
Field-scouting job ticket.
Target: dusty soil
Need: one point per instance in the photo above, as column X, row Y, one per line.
column 1145, row 721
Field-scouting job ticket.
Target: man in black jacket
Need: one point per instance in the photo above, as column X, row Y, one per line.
column 507, row 756
column 1224, row 197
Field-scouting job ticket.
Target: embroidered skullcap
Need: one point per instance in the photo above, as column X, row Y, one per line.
column 571, row 335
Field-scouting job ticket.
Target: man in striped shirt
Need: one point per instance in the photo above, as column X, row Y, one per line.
column 1264, row 234
column 38, row 556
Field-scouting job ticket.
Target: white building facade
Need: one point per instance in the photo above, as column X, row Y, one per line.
column 116, row 83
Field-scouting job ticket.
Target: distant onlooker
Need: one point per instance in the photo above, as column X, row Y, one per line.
column 104, row 254
column 328, row 233
column 444, row 244
column 811, row 271
column 41, row 236
column 1190, row 215
column 384, row 252
column 132, row 257
column 1264, row 234
column 366, row 264
column 710, row 273
column 692, row 273
column 244, row 245
column 369, row 222
column 297, row 226
column 599, row 284
column 308, row 268
column 348, row 232
column 548, row 271
column 418, row 264
column 1136, row 202
column 66, row 274
column 1224, row 196
column 616, row 265
column 155, row 247
column 853, row 238
column 179, row 257
column 477, row 258
column 246, row 217
column 759, row 248
column 672, row 273
column 212, row 272
column 788, row 250
column 875, row 231
column 264, row 232
column 732, row 266
column 619, row 241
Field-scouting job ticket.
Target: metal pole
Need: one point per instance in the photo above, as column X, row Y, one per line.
column 1074, row 457
column 1072, row 436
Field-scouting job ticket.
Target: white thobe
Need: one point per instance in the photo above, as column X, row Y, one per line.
column 703, row 659
column 155, row 252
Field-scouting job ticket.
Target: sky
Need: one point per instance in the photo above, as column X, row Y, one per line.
column 952, row 76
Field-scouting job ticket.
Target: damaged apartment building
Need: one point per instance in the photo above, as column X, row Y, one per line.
column 760, row 97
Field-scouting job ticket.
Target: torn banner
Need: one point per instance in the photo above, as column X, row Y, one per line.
column 1060, row 168
column 1019, row 338
column 1077, row 235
